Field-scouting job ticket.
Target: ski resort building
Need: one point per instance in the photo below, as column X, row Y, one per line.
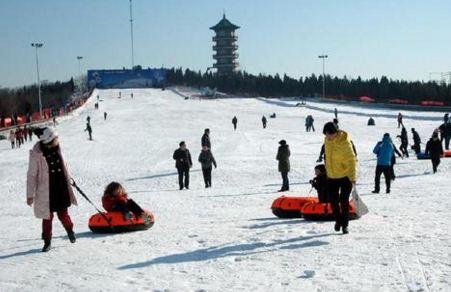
column 225, row 47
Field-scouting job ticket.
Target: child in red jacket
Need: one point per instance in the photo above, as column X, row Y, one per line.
column 115, row 199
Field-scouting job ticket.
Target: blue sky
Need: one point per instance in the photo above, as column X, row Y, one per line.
column 400, row 39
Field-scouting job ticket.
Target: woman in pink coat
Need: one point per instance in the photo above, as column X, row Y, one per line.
column 48, row 186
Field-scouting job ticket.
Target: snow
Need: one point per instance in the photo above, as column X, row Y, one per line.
column 226, row 238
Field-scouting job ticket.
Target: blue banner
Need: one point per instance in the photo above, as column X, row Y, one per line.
column 137, row 78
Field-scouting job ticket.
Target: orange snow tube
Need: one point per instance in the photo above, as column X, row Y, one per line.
column 447, row 153
column 117, row 223
column 323, row 211
column 290, row 207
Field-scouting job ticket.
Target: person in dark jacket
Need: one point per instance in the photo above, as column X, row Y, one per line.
column 283, row 156
column 445, row 134
column 446, row 118
column 384, row 151
column 435, row 150
column 207, row 160
column 105, row 115
column 320, row 183
column 404, row 142
column 393, row 162
column 416, row 141
column 336, row 113
column 205, row 141
column 183, row 163
column 89, row 129
column 400, row 120
column 264, row 122
column 234, row 122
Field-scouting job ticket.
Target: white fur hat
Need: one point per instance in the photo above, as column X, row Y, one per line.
column 48, row 135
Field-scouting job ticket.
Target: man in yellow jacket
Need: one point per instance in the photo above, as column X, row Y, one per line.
column 340, row 160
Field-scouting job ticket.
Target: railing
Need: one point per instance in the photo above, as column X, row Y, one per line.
column 226, row 46
column 226, row 55
column 229, row 37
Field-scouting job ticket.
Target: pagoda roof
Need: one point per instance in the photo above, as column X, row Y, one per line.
column 224, row 23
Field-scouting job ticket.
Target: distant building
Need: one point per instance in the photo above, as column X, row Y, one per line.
column 225, row 47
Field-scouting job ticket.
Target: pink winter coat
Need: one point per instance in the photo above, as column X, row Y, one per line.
column 38, row 183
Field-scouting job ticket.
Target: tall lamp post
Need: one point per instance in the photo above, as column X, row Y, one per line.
column 131, row 34
column 323, row 57
column 79, row 64
column 37, row 46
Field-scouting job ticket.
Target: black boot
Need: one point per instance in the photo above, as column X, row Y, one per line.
column 345, row 230
column 47, row 245
column 71, row 236
column 337, row 227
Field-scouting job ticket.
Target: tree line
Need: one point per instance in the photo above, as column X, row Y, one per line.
column 381, row 89
column 24, row 100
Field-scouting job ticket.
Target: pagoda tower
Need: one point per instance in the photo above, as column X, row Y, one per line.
column 225, row 46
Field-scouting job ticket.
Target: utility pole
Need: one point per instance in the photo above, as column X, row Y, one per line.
column 79, row 61
column 131, row 33
column 323, row 57
column 37, row 46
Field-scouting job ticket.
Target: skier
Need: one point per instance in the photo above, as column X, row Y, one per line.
column 105, row 116
column 115, row 199
column 404, row 142
column 264, row 122
column 384, row 151
column 341, row 167
column 435, row 150
column 416, row 141
column 48, row 187
column 336, row 113
column 12, row 139
column 207, row 159
column 400, row 120
column 205, row 140
column 234, row 122
column 320, row 183
column 283, row 156
column 89, row 129
column 183, row 163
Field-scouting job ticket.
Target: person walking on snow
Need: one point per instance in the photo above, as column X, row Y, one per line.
column 336, row 113
column 264, row 122
column 283, row 156
column 183, row 163
column 105, row 116
column 48, row 186
column 234, row 122
column 385, row 151
column 400, row 120
column 89, row 129
column 404, row 142
column 205, row 141
column 445, row 133
column 416, row 141
column 435, row 150
column 341, row 168
column 207, row 160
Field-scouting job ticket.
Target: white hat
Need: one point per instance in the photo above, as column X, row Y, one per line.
column 48, row 135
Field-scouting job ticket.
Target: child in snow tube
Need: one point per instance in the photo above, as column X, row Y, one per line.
column 320, row 183
column 115, row 199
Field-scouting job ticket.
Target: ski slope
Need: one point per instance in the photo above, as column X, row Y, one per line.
column 226, row 238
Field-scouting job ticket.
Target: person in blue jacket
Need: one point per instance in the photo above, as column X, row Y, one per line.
column 384, row 150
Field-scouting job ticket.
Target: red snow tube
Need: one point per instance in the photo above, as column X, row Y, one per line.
column 323, row 211
column 447, row 153
column 290, row 207
column 117, row 223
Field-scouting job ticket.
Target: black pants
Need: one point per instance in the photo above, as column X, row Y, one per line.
column 207, row 176
column 285, row 181
column 403, row 149
column 386, row 170
column 234, row 126
column 447, row 139
column 183, row 173
column 339, row 190
column 392, row 172
column 416, row 148
column 435, row 163
column 264, row 126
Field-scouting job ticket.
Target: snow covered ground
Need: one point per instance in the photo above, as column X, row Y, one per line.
column 226, row 238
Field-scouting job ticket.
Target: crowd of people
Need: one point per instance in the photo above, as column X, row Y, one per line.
column 19, row 136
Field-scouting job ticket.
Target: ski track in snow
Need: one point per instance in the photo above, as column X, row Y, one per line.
column 226, row 238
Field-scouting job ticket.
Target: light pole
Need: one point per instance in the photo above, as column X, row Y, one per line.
column 79, row 61
column 37, row 46
column 324, row 57
column 131, row 34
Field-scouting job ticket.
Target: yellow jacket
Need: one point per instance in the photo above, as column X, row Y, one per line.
column 340, row 157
